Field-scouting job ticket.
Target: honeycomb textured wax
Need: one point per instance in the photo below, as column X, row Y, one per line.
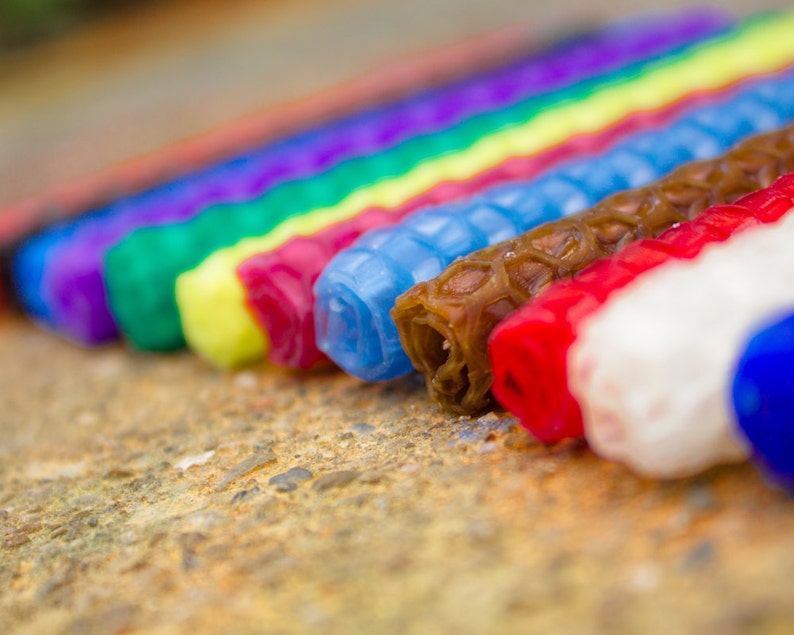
column 227, row 334
column 651, row 368
column 532, row 350
column 279, row 283
column 70, row 287
column 526, row 265
column 352, row 314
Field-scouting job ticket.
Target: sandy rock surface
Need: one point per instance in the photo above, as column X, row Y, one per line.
column 154, row 495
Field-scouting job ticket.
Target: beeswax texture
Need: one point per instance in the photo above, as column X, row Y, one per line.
column 141, row 271
column 279, row 283
column 359, row 287
column 69, row 285
column 535, row 352
column 445, row 323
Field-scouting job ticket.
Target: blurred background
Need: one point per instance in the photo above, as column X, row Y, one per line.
column 25, row 22
column 88, row 83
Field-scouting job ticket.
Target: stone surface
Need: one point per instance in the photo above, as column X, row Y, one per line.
column 426, row 523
